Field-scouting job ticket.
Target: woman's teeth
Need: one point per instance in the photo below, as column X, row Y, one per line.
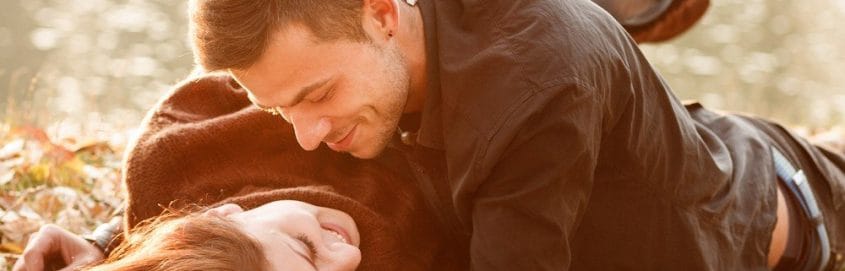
column 338, row 235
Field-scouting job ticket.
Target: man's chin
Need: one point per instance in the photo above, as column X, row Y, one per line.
column 368, row 153
column 364, row 155
column 372, row 147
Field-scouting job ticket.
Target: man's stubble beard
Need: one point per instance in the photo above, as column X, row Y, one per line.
column 396, row 70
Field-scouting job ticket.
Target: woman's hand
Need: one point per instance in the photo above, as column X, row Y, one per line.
column 53, row 242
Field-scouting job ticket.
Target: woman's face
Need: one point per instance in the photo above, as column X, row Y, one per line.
column 299, row 236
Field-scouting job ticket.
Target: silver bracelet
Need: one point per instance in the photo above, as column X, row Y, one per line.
column 103, row 234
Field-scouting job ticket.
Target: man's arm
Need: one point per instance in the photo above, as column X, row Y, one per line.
column 527, row 209
column 671, row 22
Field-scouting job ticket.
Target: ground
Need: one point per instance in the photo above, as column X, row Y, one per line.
column 71, row 182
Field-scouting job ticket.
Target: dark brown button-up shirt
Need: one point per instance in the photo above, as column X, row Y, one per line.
column 548, row 142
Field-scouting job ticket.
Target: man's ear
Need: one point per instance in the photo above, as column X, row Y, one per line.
column 224, row 210
column 380, row 19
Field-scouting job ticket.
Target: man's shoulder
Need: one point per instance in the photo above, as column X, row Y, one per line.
column 494, row 55
column 498, row 58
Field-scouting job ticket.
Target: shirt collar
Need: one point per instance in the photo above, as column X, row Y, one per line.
column 430, row 133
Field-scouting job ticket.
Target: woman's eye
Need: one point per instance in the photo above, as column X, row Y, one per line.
column 312, row 250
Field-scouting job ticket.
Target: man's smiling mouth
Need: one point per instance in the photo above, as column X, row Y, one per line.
column 343, row 143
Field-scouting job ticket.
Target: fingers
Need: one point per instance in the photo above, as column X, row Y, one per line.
column 77, row 264
column 224, row 210
column 39, row 247
column 53, row 242
column 32, row 264
column 76, row 251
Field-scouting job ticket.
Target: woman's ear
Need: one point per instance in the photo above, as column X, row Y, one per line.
column 224, row 210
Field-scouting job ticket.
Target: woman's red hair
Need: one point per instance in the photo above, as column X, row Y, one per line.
column 182, row 242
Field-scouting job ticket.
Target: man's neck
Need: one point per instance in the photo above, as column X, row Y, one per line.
column 412, row 42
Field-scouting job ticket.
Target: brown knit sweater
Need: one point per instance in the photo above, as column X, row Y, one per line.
column 204, row 143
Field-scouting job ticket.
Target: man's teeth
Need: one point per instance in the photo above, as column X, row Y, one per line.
column 338, row 235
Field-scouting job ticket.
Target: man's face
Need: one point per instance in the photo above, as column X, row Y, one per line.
column 347, row 94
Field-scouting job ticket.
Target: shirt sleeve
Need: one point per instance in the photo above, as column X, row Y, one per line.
column 527, row 208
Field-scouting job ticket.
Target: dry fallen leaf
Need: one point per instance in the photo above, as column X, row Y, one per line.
column 73, row 183
column 6, row 175
column 11, row 149
column 6, row 247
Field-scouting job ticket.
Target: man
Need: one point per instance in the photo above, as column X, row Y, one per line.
column 537, row 127
column 538, row 130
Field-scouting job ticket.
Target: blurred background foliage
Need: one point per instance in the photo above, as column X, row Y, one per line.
column 781, row 59
column 76, row 78
column 89, row 65
column 95, row 65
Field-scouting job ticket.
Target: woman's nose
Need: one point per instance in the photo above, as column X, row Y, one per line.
column 344, row 257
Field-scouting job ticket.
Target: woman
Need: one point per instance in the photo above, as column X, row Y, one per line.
column 206, row 145
column 281, row 235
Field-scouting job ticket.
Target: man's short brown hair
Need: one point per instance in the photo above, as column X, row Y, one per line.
column 232, row 34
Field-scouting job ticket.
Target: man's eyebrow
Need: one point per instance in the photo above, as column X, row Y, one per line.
column 307, row 90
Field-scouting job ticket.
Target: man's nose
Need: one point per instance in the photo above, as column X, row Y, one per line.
column 309, row 132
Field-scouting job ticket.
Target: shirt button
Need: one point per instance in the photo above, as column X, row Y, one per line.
column 408, row 138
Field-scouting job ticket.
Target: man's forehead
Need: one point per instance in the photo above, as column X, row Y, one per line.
column 286, row 57
column 292, row 65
